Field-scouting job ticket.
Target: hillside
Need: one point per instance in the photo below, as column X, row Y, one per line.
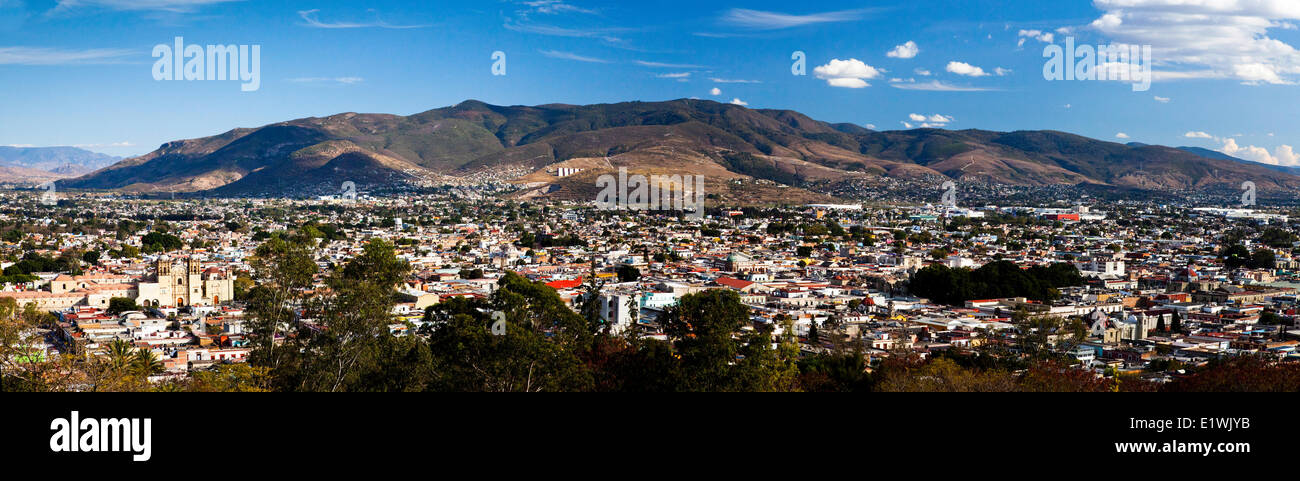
column 728, row 144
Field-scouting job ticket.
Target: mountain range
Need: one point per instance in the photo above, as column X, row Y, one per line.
column 770, row 154
column 42, row 164
column 1214, row 154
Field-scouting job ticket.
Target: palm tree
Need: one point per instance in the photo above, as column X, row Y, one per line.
column 119, row 355
column 145, row 363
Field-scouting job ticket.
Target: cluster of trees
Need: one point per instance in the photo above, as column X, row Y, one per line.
column 961, row 372
column 1278, row 238
column 31, row 262
column 154, row 242
column 530, row 240
column 1237, row 256
column 994, row 280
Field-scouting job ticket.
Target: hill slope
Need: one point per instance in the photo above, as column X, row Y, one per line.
column 473, row 140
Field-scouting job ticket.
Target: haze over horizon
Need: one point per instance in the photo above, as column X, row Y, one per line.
column 69, row 76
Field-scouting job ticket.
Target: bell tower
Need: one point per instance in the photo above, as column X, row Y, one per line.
column 163, row 266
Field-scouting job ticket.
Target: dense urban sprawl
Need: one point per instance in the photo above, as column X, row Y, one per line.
column 442, row 292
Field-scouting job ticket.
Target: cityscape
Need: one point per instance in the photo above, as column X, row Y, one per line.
column 583, row 196
column 110, row 292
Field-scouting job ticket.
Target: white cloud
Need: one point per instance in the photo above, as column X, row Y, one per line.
column 666, row 65
column 922, row 72
column 1163, row 100
column 938, row 86
column 553, row 7
column 733, row 81
column 907, row 50
column 54, row 56
column 938, row 119
column 963, row 68
column 1284, row 155
column 1216, row 39
column 1039, row 35
column 871, row 126
column 1198, row 135
column 571, row 56
column 760, row 20
column 606, row 34
column 1121, row 135
column 715, row 92
column 851, row 73
column 309, row 16
column 737, row 101
column 140, row 5
column 677, row 75
column 1002, row 72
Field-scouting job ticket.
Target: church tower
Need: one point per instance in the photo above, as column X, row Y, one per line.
column 163, row 266
column 193, row 281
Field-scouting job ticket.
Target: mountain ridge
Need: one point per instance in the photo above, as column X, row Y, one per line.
column 526, row 145
column 41, row 164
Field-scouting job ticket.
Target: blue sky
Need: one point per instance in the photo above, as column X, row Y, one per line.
column 79, row 72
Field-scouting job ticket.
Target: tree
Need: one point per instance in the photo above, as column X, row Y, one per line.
column 1235, row 256
column 1270, row 318
column 1177, row 324
column 526, row 240
column 120, row 354
column 993, row 280
column 1262, row 259
column 144, row 363
column 23, row 362
column 91, row 257
column 161, row 242
column 118, row 305
column 540, row 350
column 835, row 372
column 627, row 273
column 242, row 286
column 705, row 329
column 287, row 270
column 941, row 375
column 354, row 349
